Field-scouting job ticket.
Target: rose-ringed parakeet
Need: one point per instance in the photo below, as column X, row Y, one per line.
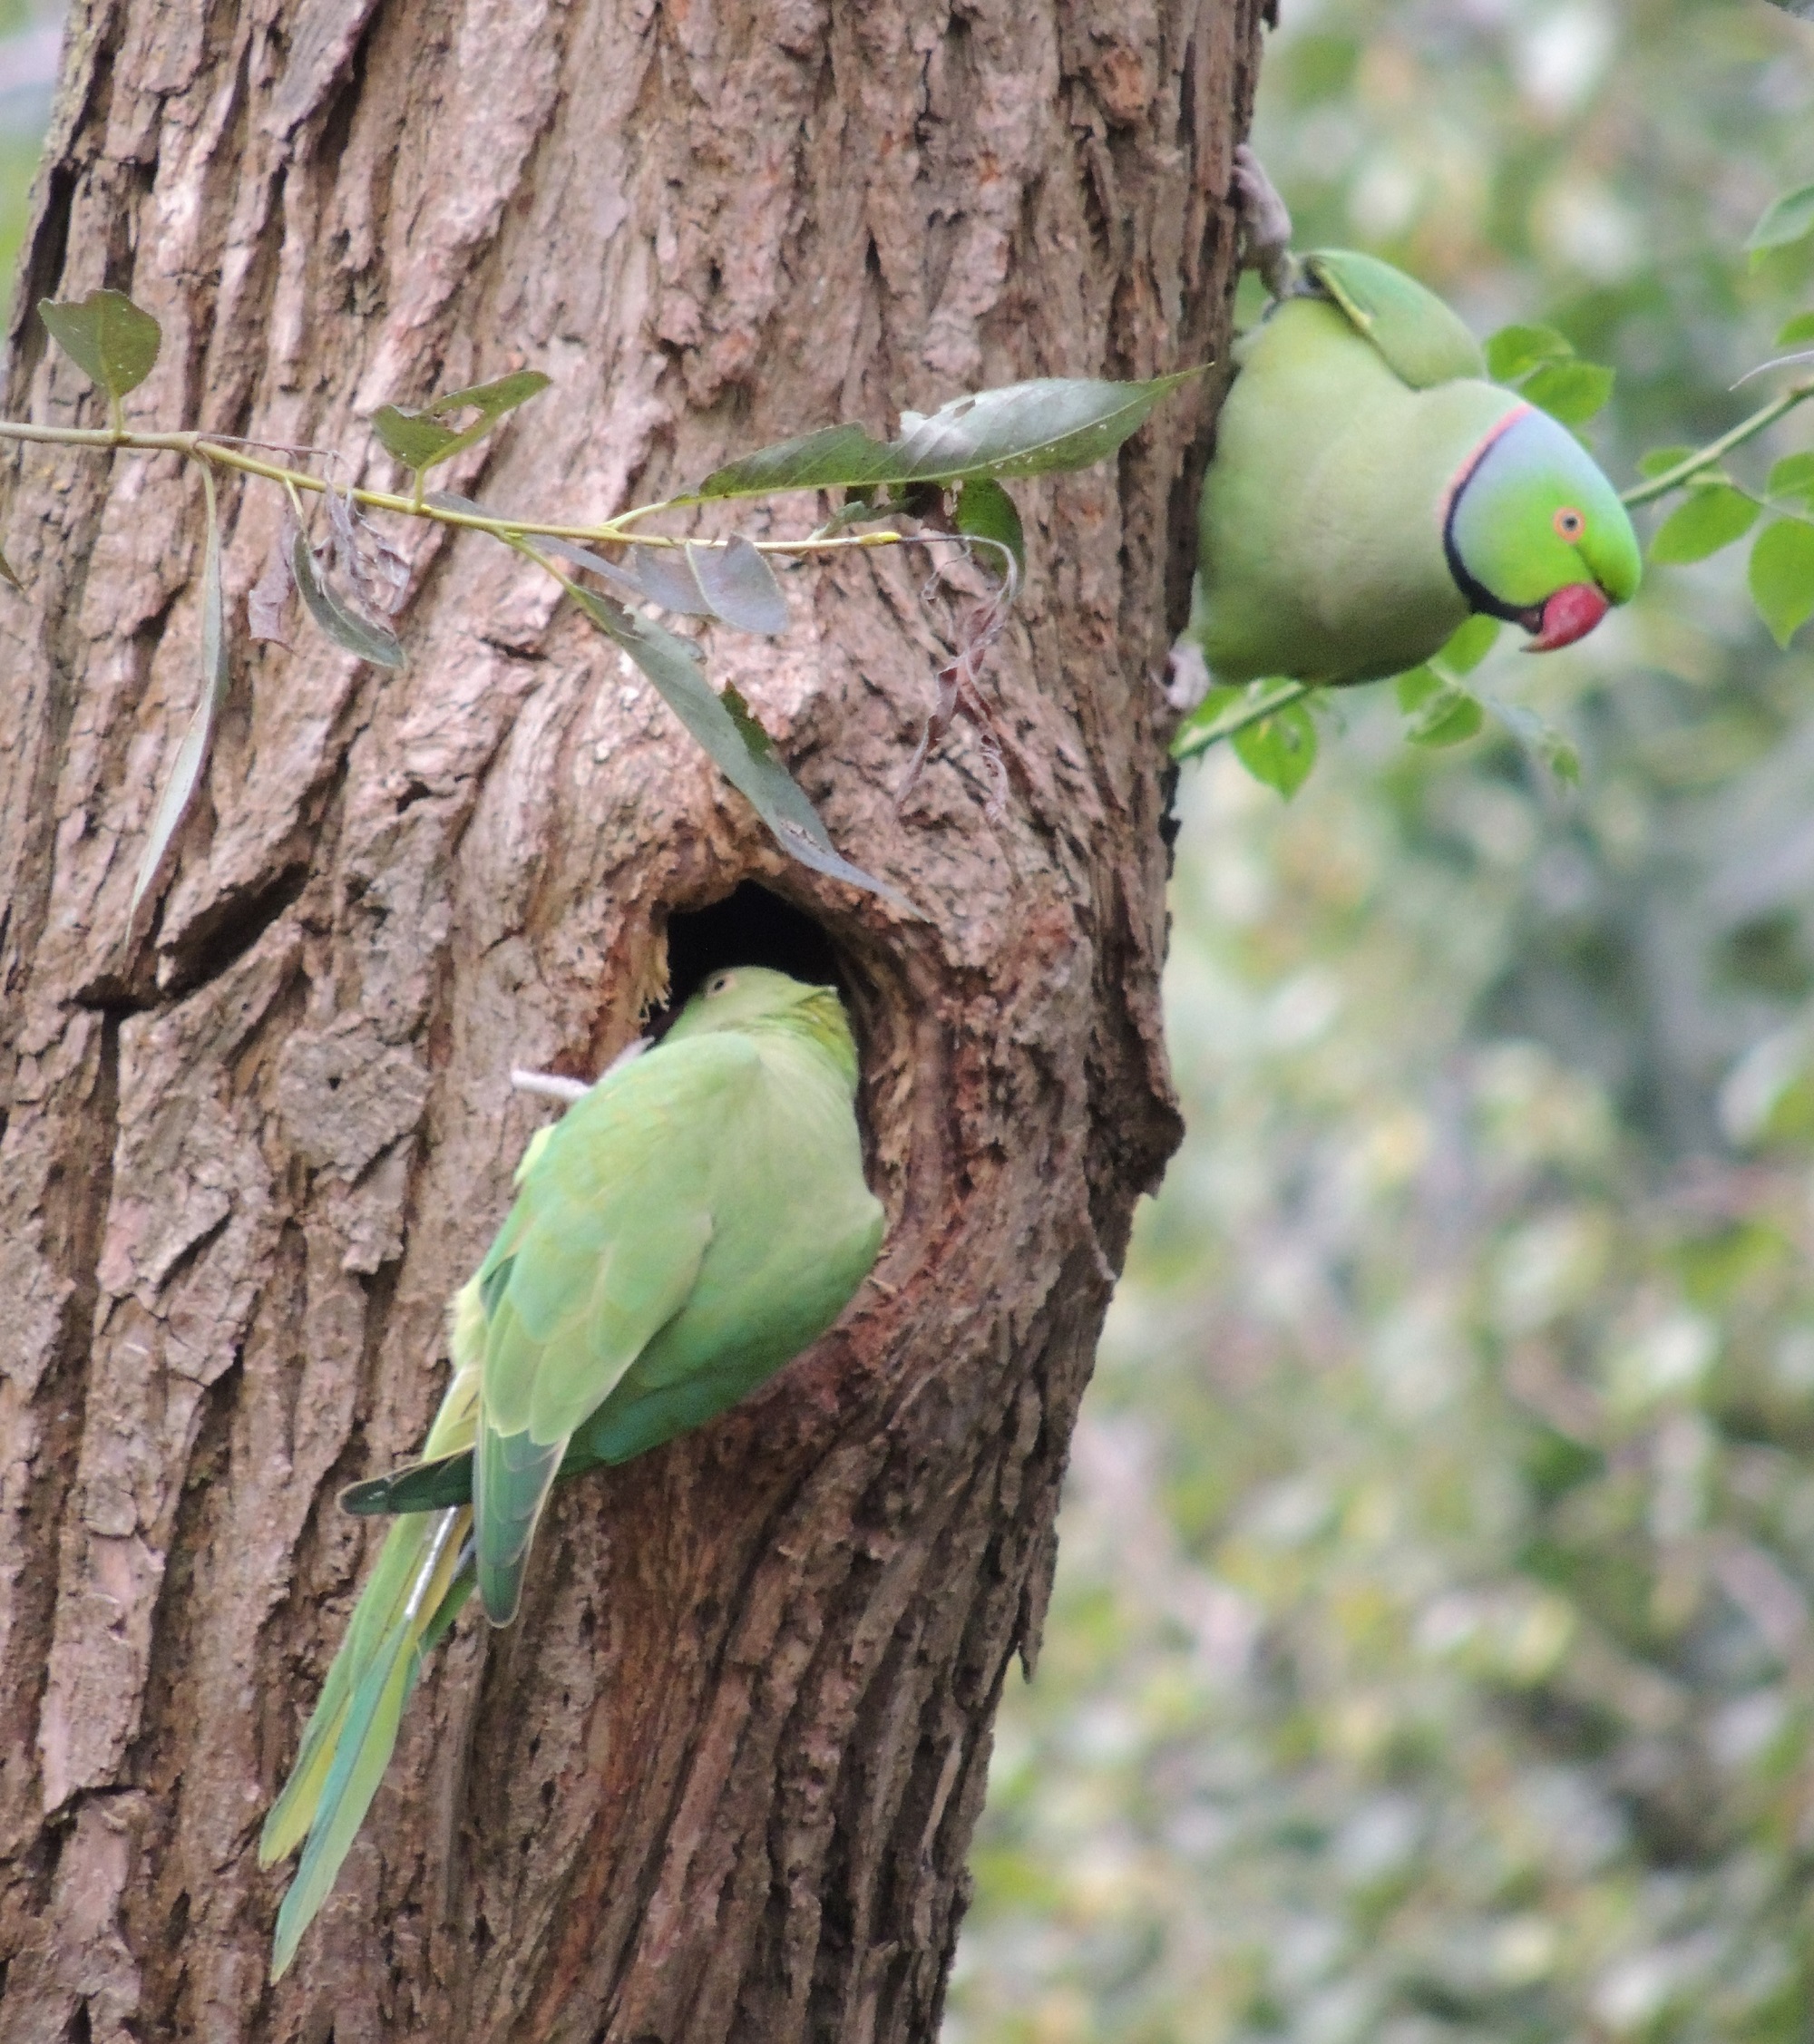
column 691, row 1223
column 1369, row 488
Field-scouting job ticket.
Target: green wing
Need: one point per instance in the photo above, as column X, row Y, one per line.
column 601, row 1251
column 1422, row 340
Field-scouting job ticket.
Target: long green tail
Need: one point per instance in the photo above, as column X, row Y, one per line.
column 423, row 1575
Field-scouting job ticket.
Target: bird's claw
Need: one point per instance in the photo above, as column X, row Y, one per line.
column 1187, row 676
column 1266, row 224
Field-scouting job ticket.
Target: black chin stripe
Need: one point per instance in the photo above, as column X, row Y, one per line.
column 1475, row 593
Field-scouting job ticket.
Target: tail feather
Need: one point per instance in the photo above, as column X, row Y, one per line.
column 512, row 1478
column 423, row 1577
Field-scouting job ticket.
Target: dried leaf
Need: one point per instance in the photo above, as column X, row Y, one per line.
column 7, row 574
column 268, row 601
column 378, row 572
column 978, row 627
column 192, row 757
column 364, row 635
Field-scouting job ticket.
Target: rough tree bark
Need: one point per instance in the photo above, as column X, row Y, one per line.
column 720, row 1779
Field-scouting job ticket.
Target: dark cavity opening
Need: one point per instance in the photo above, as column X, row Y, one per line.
column 749, row 927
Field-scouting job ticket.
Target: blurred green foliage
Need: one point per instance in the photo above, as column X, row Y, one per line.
column 26, row 28
column 1430, row 1658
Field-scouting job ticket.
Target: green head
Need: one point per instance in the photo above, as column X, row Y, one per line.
column 1535, row 534
column 750, row 997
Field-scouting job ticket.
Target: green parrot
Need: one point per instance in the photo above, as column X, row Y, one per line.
column 1371, row 490
column 690, row 1224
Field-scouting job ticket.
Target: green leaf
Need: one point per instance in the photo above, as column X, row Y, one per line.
column 986, row 513
column 492, row 400
column 1023, row 429
column 1800, row 328
column 1661, row 460
column 1038, row 428
column 417, row 439
column 1782, row 577
column 832, row 458
column 1793, row 476
column 1438, row 711
column 413, row 438
column 1280, row 750
column 1572, row 392
column 344, row 626
column 1515, row 351
column 192, row 757
column 1710, row 520
column 742, row 750
column 107, row 336
column 1469, row 646
column 1785, row 220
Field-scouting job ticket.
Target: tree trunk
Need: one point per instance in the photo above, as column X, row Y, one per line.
column 720, row 1778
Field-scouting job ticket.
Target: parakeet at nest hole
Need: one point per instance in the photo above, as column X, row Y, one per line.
column 1371, row 490
column 691, row 1223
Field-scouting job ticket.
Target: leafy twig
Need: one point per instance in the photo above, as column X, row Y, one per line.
column 1716, row 451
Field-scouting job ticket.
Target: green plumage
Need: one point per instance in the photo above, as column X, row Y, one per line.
column 1369, row 490
column 691, row 1223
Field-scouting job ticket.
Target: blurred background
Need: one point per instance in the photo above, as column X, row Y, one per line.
column 1430, row 1658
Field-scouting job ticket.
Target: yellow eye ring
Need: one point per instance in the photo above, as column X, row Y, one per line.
column 1569, row 523
column 717, row 983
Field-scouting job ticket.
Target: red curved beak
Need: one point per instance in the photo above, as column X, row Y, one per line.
column 1570, row 614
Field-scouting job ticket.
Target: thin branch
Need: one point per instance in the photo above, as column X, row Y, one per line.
column 204, row 446
column 1716, row 451
column 1237, row 717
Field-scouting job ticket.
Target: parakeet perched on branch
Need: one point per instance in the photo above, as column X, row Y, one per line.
column 691, row 1223
column 1369, row 488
